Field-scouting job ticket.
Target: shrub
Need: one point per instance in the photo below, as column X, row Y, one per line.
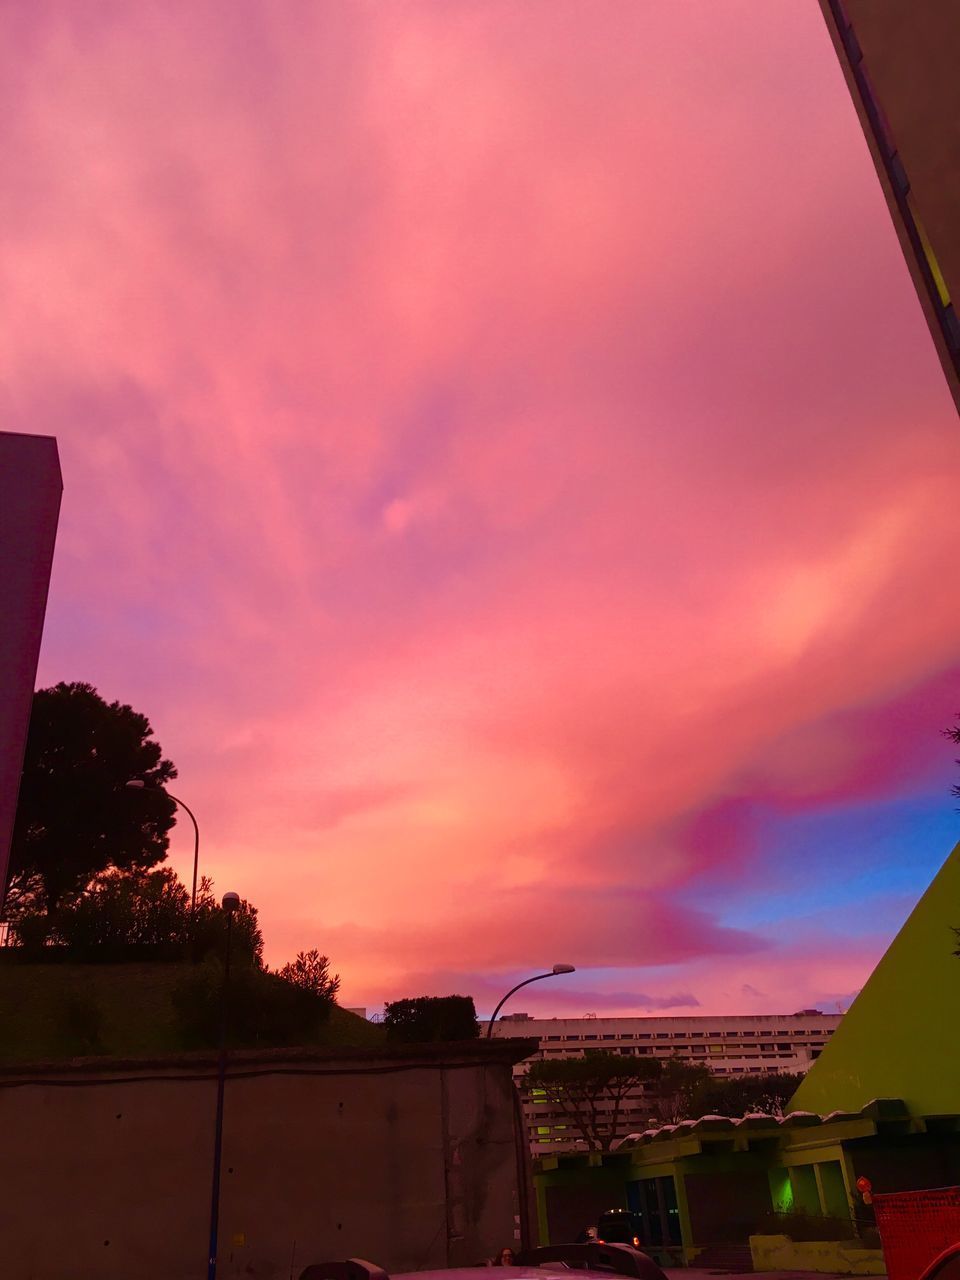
column 431, row 1018
column 311, row 972
column 262, row 1009
column 79, row 1023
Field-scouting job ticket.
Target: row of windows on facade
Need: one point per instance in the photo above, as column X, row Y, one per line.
column 772, row 1051
column 695, row 1035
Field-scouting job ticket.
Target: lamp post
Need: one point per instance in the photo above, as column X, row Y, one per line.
column 537, row 977
column 231, row 901
column 137, row 784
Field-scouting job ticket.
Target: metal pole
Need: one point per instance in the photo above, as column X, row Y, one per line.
column 196, row 848
column 536, row 978
column 218, row 1127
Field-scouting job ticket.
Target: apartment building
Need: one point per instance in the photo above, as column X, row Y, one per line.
column 727, row 1046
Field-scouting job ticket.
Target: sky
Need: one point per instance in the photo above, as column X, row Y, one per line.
column 505, row 459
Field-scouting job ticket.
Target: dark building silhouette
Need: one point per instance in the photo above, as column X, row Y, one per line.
column 30, row 488
column 901, row 60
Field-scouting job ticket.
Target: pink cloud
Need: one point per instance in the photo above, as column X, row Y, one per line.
column 494, row 462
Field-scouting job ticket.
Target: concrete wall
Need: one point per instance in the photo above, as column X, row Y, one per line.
column 30, row 488
column 830, row 1257
column 409, row 1160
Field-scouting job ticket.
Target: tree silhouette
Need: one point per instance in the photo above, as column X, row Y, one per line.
column 954, row 735
column 311, row 972
column 590, row 1091
column 424, row 1019
column 75, row 817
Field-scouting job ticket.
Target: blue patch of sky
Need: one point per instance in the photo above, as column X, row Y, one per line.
column 870, row 861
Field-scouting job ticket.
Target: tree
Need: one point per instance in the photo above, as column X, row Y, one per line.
column 74, row 816
column 590, row 1091
column 135, row 915
column 311, row 972
column 954, row 735
column 208, row 929
column 744, row 1095
column 679, row 1089
column 426, row 1019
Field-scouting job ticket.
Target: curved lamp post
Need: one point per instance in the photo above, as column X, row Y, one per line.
column 137, row 784
column 554, row 972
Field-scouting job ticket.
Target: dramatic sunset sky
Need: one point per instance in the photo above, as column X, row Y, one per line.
column 505, row 459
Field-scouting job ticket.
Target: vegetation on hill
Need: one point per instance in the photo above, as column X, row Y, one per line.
column 53, row 1012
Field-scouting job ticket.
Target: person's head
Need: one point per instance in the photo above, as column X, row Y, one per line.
column 505, row 1257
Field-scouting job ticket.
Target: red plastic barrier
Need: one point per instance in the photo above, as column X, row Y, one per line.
column 915, row 1228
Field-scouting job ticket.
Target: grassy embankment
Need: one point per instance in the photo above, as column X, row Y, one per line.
column 44, row 1013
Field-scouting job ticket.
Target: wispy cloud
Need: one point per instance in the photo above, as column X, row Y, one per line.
column 495, row 465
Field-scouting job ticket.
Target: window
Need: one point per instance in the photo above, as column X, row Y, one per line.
column 700, row 1048
column 766, row 1033
column 553, row 1037
column 714, row 1034
column 694, row 1034
column 715, row 1048
column 643, row 1035
column 663, row 1035
column 606, row 1037
column 784, row 1047
column 748, row 1033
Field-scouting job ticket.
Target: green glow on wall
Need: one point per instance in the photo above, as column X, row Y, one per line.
column 781, row 1190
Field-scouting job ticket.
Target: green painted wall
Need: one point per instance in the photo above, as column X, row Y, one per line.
column 833, row 1190
column 901, row 1036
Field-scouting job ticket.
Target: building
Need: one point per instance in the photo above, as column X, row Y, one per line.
column 728, row 1046
column 900, row 63
column 30, row 488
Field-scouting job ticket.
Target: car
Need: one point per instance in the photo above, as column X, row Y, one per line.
column 597, row 1259
column 618, row 1226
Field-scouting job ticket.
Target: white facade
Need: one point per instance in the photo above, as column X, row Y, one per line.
column 729, row 1046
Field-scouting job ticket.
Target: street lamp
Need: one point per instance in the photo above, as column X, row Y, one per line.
column 557, row 969
column 231, row 902
column 137, row 784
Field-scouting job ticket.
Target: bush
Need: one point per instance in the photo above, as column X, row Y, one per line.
column 427, row 1019
column 133, row 915
column 263, row 1009
column 311, row 972
column 79, row 1023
